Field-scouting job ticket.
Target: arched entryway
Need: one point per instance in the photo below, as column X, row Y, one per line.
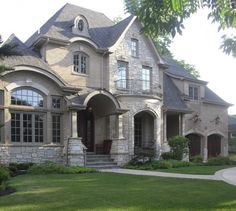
column 194, row 144
column 144, row 139
column 94, row 121
column 214, row 145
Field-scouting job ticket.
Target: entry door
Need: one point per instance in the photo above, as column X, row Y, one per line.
column 86, row 129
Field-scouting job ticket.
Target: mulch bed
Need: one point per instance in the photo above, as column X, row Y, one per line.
column 7, row 191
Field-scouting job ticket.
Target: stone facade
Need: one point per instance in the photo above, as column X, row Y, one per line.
column 93, row 108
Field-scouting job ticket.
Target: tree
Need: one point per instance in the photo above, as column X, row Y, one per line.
column 165, row 17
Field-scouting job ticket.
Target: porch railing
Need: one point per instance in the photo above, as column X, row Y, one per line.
column 133, row 86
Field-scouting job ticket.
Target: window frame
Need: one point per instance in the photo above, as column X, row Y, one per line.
column 35, row 94
column 78, row 64
column 56, row 97
column 146, row 82
column 134, row 47
column 56, row 129
column 21, row 127
column 194, row 94
column 122, row 75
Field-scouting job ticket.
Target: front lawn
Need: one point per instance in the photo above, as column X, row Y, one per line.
column 106, row 191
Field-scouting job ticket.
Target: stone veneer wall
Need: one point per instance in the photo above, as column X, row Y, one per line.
column 35, row 154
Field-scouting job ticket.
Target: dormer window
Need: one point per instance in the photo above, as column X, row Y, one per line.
column 80, row 25
column 193, row 92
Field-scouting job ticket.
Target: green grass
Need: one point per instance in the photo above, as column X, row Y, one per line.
column 205, row 170
column 106, row 191
column 232, row 156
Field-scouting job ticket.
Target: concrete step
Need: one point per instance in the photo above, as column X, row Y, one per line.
column 103, row 166
column 100, row 161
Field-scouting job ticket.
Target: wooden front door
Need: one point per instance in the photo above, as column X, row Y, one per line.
column 86, row 128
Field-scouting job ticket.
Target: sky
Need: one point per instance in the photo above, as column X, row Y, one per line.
column 199, row 44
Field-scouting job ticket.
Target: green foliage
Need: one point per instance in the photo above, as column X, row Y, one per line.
column 162, row 164
column 56, row 168
column 196, row 159
column 4, row 176
column 162, row 44
column 190, row 68
column 179, row 146
column 218, row 161
column 166, row 17
column 18, row 168
column 167, row 155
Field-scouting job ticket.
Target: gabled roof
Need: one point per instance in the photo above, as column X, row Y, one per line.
column 172, row 96
column 176, row 70
column 26, row 55
column 102, row 30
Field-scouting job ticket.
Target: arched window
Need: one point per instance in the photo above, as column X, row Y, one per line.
column 26, row 97
column 80, row 61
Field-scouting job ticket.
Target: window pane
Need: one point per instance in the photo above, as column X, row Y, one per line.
column 26, row 97
column 15, row 127
column 56, row 129
column 56, row 102
column 80, row 61
column 122, row 75
column 146, row 79
column 38, row 128
column 134, row 47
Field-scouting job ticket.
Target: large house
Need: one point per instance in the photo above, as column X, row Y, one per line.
column 82, row 85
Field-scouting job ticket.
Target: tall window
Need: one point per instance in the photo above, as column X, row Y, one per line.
column 27, row 127
column 56, row 128
column 193, row 92
column 146, row 79
column 122, row 75
column 134, row 48
column 26, row 97
column 80, row 61
column 138, row 132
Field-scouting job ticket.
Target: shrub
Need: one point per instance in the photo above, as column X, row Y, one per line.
column 161, row 164
column 196, row 159
column 179, row 146
column 179, row 163
column 218, row 161
column 4, row 176
column 167, row 155
column 18, row 168
column 56, row 168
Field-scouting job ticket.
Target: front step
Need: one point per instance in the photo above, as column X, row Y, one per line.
column 100, row 161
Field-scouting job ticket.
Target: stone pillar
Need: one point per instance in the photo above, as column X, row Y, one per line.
column 165, row 146
column 119, row 147
column 205, row 149
column 76, row 151
column 180, row 124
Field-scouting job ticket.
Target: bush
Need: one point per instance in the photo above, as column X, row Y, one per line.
column 161, row 164
column 179, row 163
column 218, row 161
column 56, row 168
column 4, row 176
column 167, row 155
column 18, row 168
column 179, row 146
column 196, row 159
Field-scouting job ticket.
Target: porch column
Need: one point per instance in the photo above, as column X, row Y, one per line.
column 76, row 151
column 119, row 147
column 119, row 127
column 74, row 132
column 205, row 149
column 180, row 124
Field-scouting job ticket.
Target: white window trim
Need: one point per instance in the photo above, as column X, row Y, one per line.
column 87, row 63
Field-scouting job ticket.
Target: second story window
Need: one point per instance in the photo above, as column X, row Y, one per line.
column 80, row 62
column 134, row 48
column 121, row 75
column 193, row 92
column 146, row 79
